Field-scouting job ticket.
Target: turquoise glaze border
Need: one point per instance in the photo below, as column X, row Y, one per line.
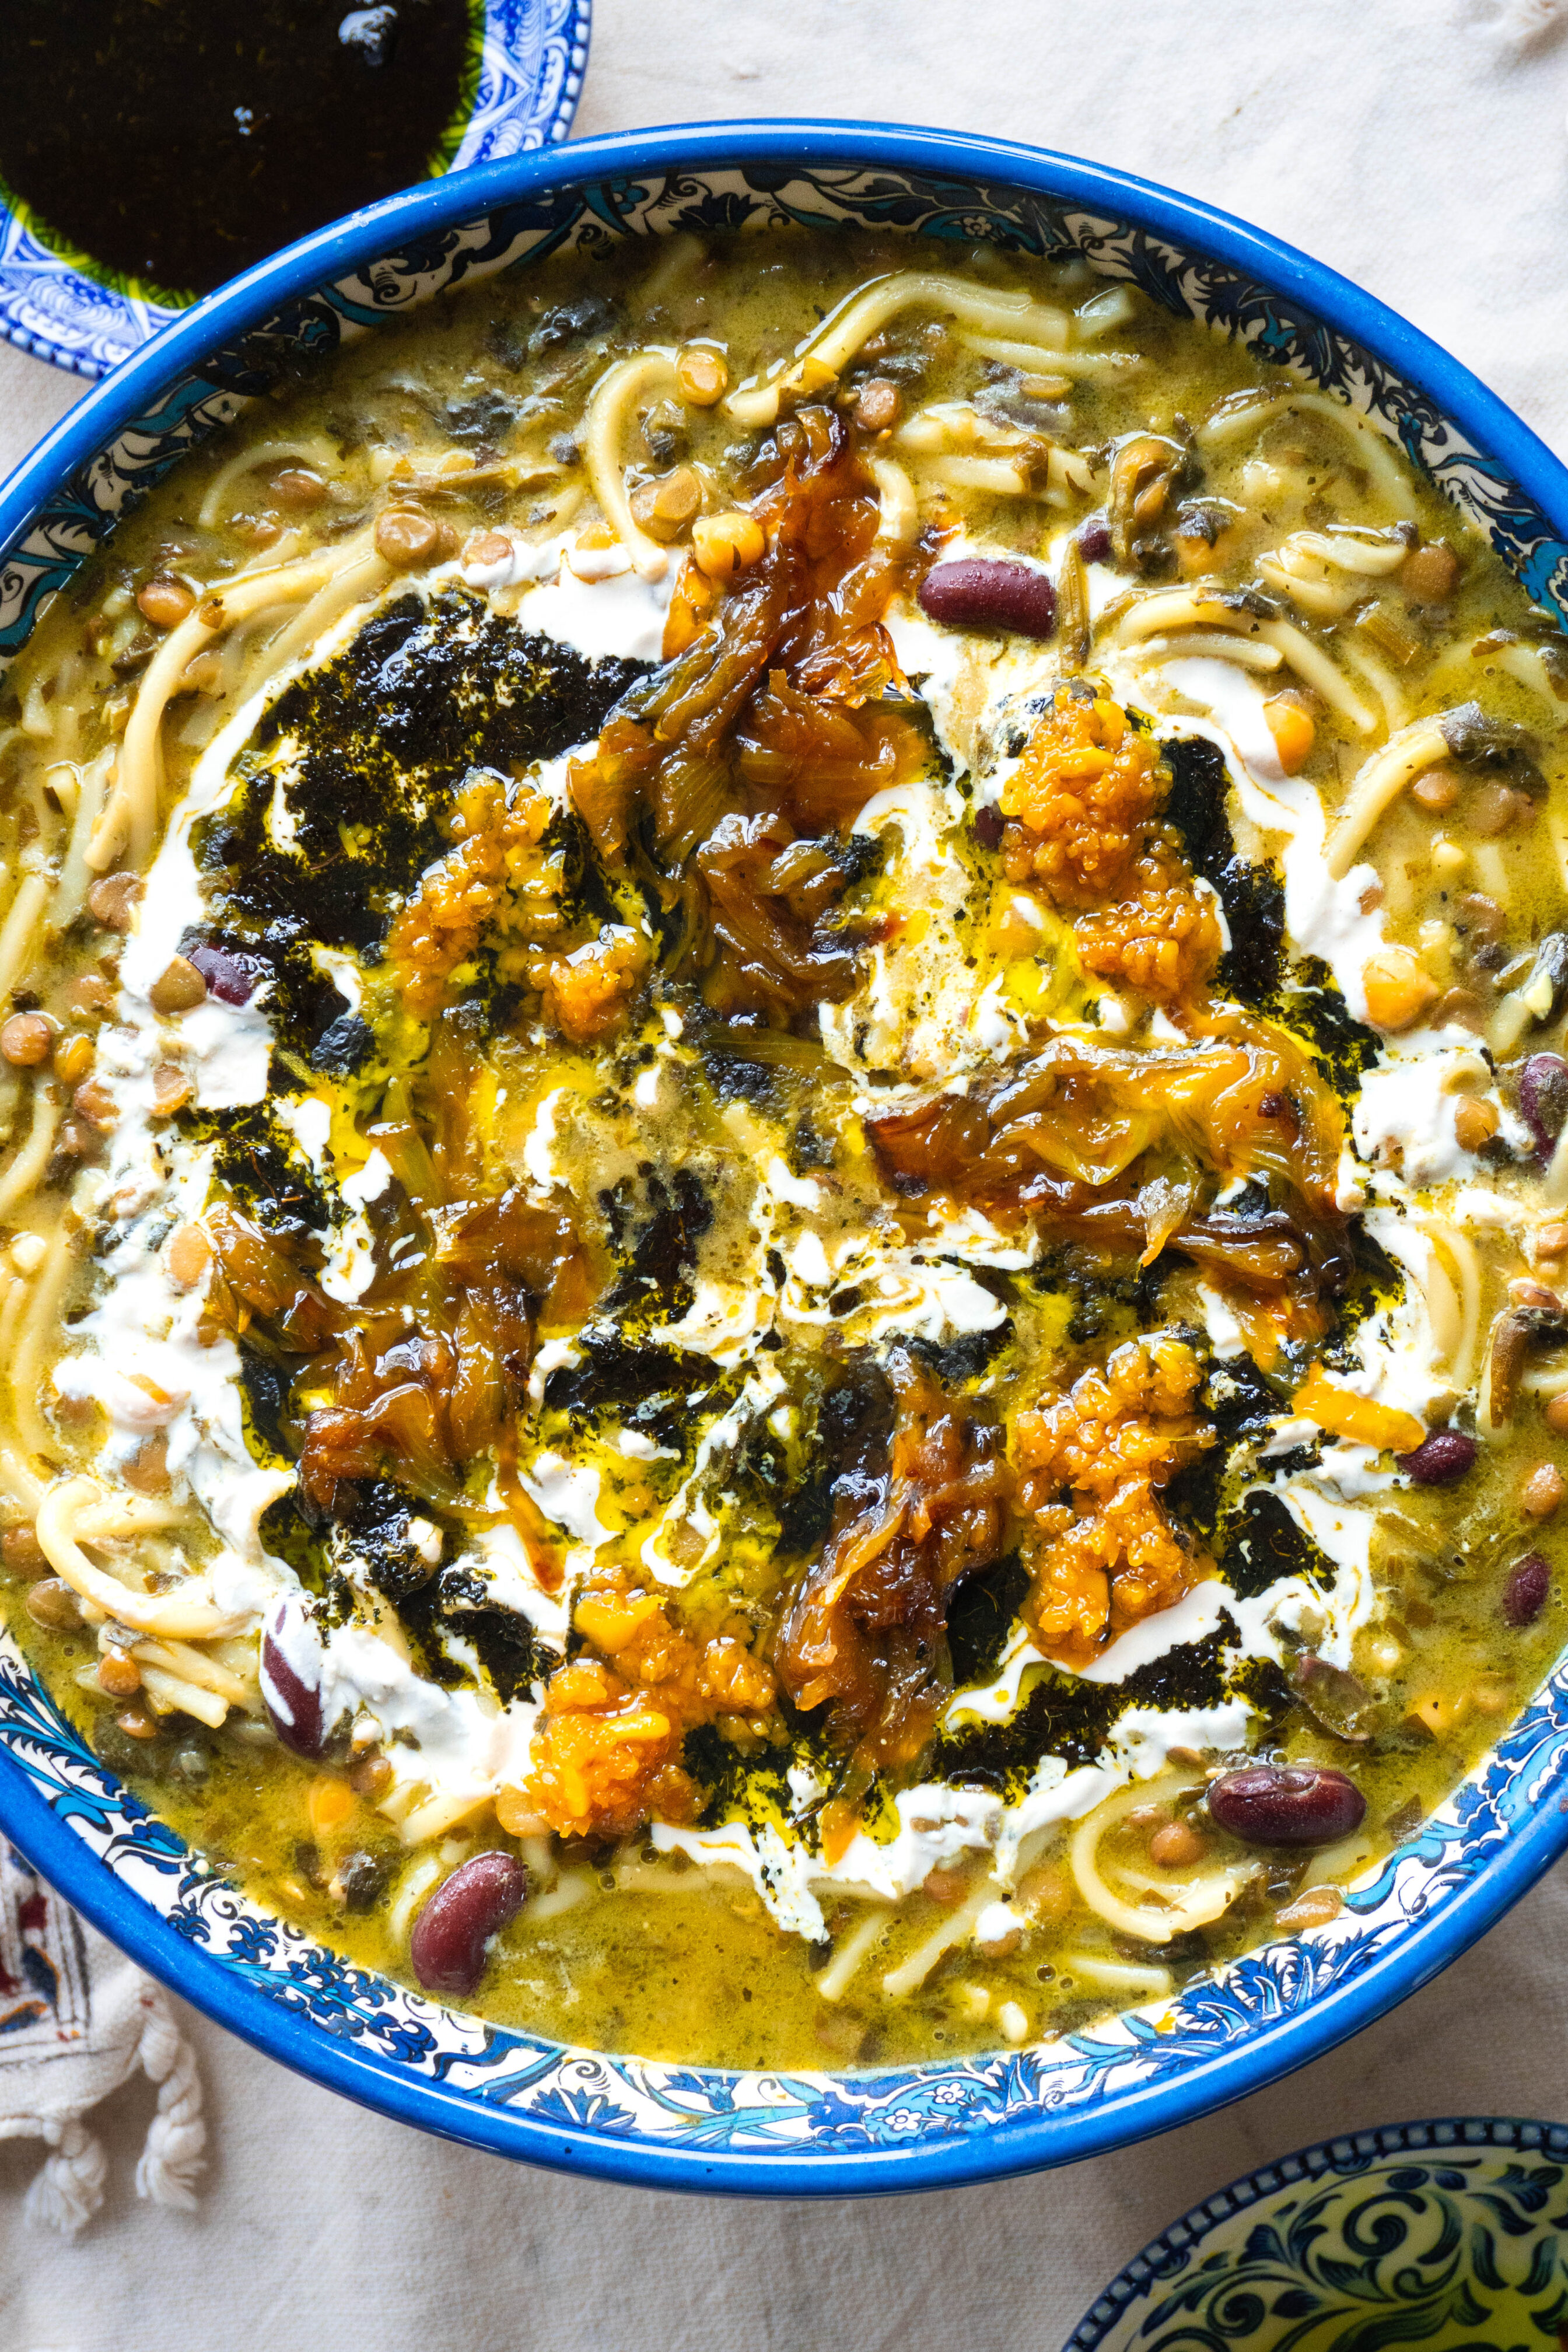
column 673, row 2127
column 532, row 57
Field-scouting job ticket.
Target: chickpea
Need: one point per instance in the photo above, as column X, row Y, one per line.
column 1475, row 1123
column 137, row 1722
column 25, row 1040
column 1542, row 1491
column 189, row 1256
column 329, row 1801
column 74, row 1060
column 1557, row 1411
column 172, row 1089
column 164, row 601
column 702, row 377
column 1398, row 993
column 178, row 987
column 406, row 539
column 112, row 899
column 1292, row 729
column 724, row 544
column 487, row 546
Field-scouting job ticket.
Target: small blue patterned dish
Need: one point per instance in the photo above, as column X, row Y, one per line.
column 56, row 305
column 624, row 2118
column 1452, row 2235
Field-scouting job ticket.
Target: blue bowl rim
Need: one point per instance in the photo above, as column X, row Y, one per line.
column 1025, row 2144
column 1442, row 2135
column 577, row 33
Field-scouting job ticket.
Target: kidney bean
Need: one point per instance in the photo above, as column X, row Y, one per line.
column 988, row 826
column 1094, row 539
column 1287, row 1804
column 1543, row 1099
column 230, row 978
column 293, row 1704
column 1440, row 1459
column 447, row 1946
column 983, row 591
column 1524, row 1594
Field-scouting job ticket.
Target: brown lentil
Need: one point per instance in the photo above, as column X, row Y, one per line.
column 405, row 538
column 119, row 1674
column 664, row 508
column 164, row 601
column 1436, row 789
column 1429, row 574
column 112, row 898
column 52, row 1603
column 298, row 489
column 880, row 406
column 1542, row 1491
column 22, row 1552
column 178, row 987
column 25, row 1040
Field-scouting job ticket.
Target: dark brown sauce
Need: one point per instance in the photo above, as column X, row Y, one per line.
column 178, row 141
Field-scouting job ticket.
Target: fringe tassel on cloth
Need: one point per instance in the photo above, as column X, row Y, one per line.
column 76, row 2020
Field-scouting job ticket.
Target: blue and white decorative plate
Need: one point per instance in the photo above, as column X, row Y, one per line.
column 56, row 303
column 668, row 2127
column 1450, row 2235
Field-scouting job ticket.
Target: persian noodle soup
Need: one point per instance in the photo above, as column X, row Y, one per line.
column 783, row 1065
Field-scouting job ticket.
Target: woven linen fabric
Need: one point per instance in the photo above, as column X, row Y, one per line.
column 1421, row 147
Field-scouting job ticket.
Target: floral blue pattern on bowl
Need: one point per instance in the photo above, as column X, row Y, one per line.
column 660, row 2124
column 532, row 57
column 1452, row 2235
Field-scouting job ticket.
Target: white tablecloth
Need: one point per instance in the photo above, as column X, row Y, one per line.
column 1399, row 144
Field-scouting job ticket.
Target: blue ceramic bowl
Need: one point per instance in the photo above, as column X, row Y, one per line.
column 668, row 2126
column 1450, row 2235
column 56, row 302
